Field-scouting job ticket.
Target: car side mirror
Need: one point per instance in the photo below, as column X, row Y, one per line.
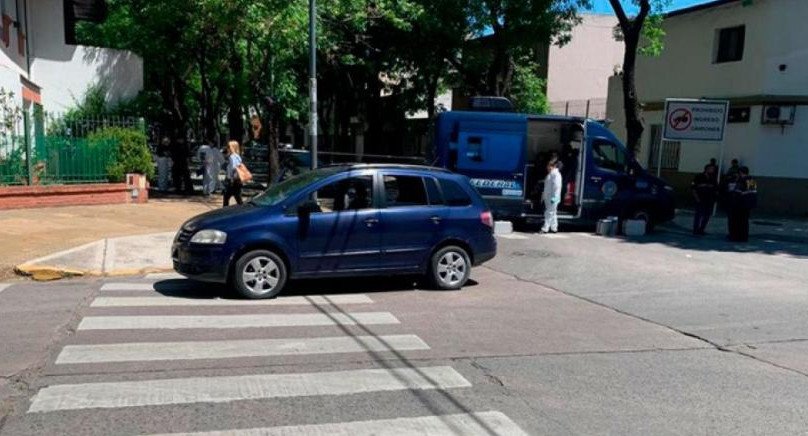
column 305, row 209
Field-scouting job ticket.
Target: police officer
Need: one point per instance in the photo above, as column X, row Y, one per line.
column 742, row 199
column 705, row 190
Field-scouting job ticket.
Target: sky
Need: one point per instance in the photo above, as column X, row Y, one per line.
column 602, row 6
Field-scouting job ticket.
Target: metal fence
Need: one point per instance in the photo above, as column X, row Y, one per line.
column 46, row 148
column 592, row 108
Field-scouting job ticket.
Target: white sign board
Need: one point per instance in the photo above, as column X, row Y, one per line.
column 695, row 120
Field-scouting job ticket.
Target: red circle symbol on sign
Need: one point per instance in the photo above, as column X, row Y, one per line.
column 680, row 119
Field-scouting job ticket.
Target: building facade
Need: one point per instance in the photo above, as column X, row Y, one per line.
column 752, row 53
column 39, row 63
column 578, row 72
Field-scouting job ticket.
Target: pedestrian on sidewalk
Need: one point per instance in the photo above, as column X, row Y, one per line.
column 232, row 182
column 705, row 191
column 163, row 164
column 212, row 160
column 742, row 199
column 551, row 197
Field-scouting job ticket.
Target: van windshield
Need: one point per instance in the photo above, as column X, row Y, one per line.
column 277, row 193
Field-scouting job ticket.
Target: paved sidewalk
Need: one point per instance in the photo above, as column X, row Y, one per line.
column 32, row 233
column 128, row 255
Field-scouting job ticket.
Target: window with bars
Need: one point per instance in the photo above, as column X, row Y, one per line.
column 670, row 151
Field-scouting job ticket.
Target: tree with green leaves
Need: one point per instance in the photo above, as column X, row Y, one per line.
column 644, row 26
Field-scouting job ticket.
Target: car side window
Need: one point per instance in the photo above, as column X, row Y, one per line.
column 353, row 193
column 453, row 194
column 404, row 191
column 433, row 192
column 609, row 156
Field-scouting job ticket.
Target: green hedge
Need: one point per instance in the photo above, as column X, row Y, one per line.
column 132, row 154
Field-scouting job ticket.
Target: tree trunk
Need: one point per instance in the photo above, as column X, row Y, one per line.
column 432, row 90
column 631, row 103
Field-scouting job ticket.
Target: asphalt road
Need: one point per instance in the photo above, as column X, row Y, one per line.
column 565, row 334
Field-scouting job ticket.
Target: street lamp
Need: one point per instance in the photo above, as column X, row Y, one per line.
column 313, row 80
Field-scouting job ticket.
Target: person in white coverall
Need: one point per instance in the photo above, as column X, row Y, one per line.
column 551, row 197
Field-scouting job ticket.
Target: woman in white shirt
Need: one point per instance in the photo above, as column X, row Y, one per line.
column 232, row 183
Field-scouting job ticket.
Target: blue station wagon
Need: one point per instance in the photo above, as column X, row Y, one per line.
column 346, row 220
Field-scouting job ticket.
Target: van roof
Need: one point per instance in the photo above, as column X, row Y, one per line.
column 503, row 116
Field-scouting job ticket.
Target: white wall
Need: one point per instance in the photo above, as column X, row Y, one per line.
column 786, row 37
column 64, row 72
column 686, row 68
column 580, row 70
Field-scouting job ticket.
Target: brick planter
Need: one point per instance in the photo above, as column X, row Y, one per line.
column 20, row 197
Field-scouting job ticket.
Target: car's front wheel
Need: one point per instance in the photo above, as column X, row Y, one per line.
column 259, row 274
column 450, row 267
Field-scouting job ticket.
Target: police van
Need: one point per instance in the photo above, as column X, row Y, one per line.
column 505, row 156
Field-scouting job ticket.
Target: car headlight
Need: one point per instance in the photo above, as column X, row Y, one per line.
column 209, row 237
column 669, row 188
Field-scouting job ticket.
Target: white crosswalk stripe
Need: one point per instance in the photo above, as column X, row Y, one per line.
column 128, row 287
column 4, row 286
column 150, row 351
column 245, row 387
column 165, row 276
column 180, row 301
column 234, row 321
column 468, row 424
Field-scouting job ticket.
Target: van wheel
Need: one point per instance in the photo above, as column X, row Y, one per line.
column 450, row 268
column 259, row 274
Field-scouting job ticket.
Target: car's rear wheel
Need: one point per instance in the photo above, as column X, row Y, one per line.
column 450, row 268
column 259, row 274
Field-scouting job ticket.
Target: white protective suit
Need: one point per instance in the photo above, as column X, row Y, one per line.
column 551, row 198
column 212, row 160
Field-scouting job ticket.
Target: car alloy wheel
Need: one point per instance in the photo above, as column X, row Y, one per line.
column 450, row 267
column 260, row 274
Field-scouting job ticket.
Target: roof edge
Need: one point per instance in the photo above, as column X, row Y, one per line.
column 700, row 7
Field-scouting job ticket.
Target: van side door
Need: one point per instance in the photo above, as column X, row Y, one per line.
column 494, row 160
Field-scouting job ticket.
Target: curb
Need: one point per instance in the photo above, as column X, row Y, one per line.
column 44, row 273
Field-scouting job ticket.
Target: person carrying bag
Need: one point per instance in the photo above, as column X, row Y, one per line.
column 237, row 174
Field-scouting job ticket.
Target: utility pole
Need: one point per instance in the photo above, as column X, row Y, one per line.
column 313, row 80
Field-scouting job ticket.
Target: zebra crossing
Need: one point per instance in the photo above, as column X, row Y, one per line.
column 315, row 316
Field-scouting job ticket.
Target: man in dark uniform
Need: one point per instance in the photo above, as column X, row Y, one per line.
column 705, row 190
column 742, row 199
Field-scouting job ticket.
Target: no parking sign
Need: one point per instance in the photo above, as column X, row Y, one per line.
column 695, row 120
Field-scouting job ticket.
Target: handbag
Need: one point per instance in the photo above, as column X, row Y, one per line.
column 244, row 175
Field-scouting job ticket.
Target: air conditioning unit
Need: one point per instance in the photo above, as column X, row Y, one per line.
column 779, row 114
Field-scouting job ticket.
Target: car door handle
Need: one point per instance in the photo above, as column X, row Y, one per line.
column 436, row 219
column 370, row 222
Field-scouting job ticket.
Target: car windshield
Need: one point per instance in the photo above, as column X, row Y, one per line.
column 281, row 191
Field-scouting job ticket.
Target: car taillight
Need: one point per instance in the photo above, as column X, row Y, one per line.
column 487, row 219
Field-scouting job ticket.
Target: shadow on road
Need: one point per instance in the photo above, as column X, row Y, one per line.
column 183, row 288
column 760, row 243
column 680, row 237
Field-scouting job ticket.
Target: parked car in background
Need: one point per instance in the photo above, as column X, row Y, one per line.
column 347, row 220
